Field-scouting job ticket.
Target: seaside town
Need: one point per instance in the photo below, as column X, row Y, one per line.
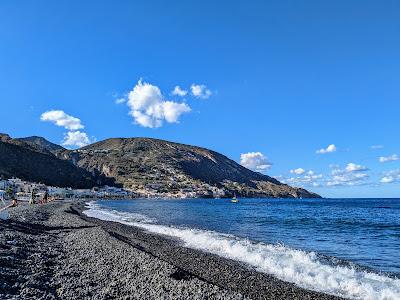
column 25, row 191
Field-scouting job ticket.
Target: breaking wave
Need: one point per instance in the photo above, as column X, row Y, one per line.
column 305, row 269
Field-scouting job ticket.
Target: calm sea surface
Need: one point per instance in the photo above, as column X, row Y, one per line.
column 363, row 231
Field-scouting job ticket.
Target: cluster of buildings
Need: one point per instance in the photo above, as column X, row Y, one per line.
column 22, row 191
column 181, row 190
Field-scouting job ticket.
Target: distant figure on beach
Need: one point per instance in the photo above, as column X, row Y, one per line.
column 45, row 197
column 32, row 200
column 14, row 203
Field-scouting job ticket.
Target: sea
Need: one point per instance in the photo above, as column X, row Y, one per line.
column 344, row 247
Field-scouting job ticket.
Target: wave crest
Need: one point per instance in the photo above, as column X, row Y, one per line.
column 300, row 267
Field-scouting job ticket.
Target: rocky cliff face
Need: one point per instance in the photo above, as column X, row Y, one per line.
column 148, row 166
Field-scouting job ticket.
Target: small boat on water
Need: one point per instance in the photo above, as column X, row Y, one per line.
column 234, row 199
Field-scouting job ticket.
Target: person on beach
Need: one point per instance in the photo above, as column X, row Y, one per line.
column 32, row 200
column 14, row 203
column 45, row 197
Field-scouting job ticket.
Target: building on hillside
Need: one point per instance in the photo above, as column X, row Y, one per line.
column 4, row 184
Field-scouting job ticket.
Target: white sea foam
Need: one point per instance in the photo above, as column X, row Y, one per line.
column 300, row 267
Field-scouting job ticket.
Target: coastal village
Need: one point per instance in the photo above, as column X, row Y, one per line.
column 21, row 190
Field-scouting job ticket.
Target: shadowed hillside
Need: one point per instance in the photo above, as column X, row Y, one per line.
column 143, row 165
column 140, row 162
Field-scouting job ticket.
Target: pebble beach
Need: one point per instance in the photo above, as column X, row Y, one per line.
column 53, row 251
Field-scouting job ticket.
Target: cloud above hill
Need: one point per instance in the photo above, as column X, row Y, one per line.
column 255, row 161
column 150, row 109
column 76, row 139
column 72, row 138
column 60, row 118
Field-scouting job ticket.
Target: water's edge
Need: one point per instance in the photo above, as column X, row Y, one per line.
column 305, row 269
column 225, row 273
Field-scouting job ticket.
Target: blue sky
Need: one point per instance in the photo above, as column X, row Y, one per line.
column 285, row 79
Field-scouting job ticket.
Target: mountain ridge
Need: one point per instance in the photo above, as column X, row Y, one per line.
column 159, row 167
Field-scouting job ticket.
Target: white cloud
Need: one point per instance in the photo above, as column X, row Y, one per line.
column 178, row 91
column 120, row 100
column 200, row 91
column 387, row 179
column 348, row 179
column 309, row 179
column 76, row 139
column 391, row 176
column 60, row 118
column 150, row 109
column 331, row 148
column 298, row 171
column 393, row 157
column 349, row 176
column 352, row 167
column 374, row 147
column 255, row 161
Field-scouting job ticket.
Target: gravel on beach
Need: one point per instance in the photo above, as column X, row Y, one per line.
column 52, row 251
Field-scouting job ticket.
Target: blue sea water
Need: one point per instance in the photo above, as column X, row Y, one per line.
column 355, row 238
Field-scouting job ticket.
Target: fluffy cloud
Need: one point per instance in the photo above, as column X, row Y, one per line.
column 150, row 109
column 393, row 157
column 298, row 171
column 331, row 148
column 76, row 139
column 352, row 167
column 60, row 118
column 200, row 91
column 255, row 161
column 178, row 91
column 391, row 176
column 72, row 138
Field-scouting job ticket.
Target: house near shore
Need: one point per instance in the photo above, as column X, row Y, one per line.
column 4, row 184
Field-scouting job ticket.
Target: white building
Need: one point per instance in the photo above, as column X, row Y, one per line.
column 4, row 184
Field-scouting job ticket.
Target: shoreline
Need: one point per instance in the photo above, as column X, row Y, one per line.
column 69, row 255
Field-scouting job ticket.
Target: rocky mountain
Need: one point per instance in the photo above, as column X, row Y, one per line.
column 34, row 163
column 41, row 144
column 156, row 167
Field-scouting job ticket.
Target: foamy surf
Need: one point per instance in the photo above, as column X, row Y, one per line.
column 296, row 266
